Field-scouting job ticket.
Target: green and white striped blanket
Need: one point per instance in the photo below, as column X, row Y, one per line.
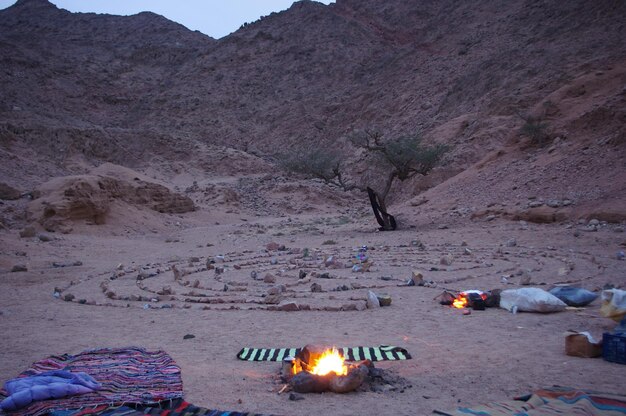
column 380, row 353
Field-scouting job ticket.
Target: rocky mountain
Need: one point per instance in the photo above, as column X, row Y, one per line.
column 77, row 90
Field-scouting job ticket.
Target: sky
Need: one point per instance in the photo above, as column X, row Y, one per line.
column 216, row 18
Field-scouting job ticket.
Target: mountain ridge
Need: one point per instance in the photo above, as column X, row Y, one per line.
column 142, row 91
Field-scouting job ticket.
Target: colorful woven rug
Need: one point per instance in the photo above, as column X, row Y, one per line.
column 550, row 402
column 170, row 408
column 380, row 353
column 128, row 375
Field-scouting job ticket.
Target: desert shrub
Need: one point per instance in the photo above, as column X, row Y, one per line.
column 317, row 162
column 535, row 129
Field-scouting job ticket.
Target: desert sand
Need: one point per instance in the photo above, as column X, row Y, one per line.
column 488, row 355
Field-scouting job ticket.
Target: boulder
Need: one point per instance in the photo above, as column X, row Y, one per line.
column 7, row 192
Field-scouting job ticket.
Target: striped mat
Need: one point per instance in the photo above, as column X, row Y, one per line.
column 128, row 375
column 380, row 353
column 169, row 408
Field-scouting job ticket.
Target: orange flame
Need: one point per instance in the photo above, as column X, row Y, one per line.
column 460, row 302
column 330, row 361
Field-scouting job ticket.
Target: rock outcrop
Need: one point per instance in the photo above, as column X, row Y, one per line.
column 90, row 197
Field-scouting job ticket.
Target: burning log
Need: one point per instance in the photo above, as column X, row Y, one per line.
column 351, row 381
column 318, row 369
column 305, row 382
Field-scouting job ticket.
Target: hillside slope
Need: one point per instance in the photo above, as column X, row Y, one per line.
column 77, row 90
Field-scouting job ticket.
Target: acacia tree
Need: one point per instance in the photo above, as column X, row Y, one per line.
column 402, row 158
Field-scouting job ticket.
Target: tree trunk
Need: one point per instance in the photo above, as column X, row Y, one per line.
column 386, row 221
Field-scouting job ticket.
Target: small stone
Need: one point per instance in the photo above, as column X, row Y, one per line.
column 194, row 260
column 417, row 279
column 189, row 336
column 274, row 290
column 254, row 274
column 69, row 297
column 491, row 217
column 44, row 238
column 19, row 268
column 269, row 278
column 289, row 307
column 301, row 274
column 467, row 312
column 274, row 261
column 272, row 299
column 511, row 243
column 594, row 222
column 442, row 227
column 446, row 260
column 524, row 280
column 316, row 288
column 384, row 300
column 535, row 204
column 294, row 397
column 166, row 290
column 372, row 300
column 273, row 246
column 219, row 270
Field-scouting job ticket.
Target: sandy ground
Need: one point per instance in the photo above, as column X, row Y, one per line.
column 486, row 356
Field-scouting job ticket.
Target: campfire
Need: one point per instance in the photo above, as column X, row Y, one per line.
column 330, row 362
column 474, row 299
column 318, row 369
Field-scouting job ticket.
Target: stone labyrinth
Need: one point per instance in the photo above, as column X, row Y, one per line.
column 330, row 278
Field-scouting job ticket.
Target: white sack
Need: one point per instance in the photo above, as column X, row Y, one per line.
column 530, row 299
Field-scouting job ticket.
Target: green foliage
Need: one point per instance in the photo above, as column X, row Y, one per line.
column 404, row 157
column 317, row 162
column 536, row 130
column 408, row 156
